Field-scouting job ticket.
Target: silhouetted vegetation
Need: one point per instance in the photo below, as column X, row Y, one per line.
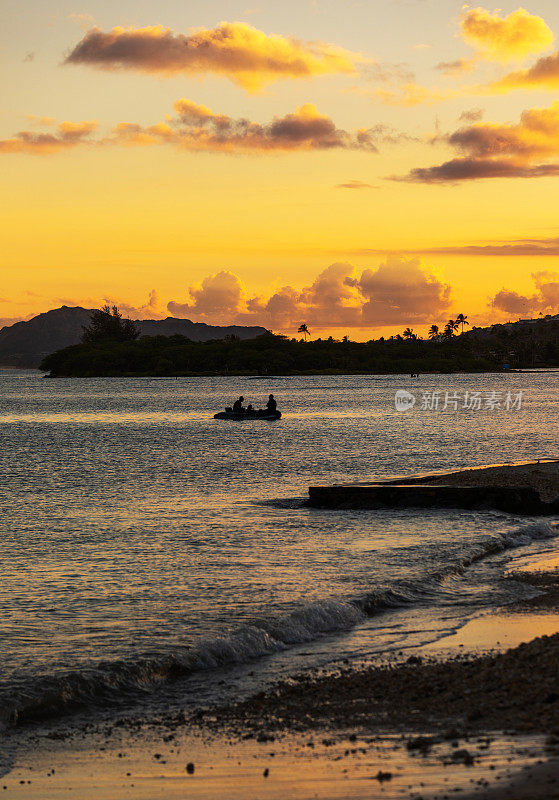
column 520, row 345
column 107, row 325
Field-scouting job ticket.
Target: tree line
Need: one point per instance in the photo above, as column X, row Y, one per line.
column 111, row 347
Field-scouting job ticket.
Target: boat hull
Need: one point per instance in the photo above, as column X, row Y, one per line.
column 237, row 416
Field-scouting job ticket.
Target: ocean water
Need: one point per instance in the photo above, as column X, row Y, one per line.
column 143, row 542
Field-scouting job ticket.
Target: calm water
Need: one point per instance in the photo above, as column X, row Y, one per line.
column 141, row 540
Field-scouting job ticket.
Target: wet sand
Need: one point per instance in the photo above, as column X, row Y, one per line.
column 475, row 715
column 346, row 767
column 452, row 719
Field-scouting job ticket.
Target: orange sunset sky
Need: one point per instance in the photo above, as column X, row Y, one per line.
column 358, row 166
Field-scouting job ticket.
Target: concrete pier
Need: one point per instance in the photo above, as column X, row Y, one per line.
column 458, row 489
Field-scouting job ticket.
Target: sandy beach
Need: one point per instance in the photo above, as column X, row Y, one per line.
column 462, row 715
column 474, row 713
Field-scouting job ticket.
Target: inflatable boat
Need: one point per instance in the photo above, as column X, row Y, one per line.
column 237, row 415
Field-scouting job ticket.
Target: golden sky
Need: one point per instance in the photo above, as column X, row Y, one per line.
column 360, row 167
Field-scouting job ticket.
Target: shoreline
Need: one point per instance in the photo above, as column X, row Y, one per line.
column 403, row 727
column 294, row 374
column 461, row 714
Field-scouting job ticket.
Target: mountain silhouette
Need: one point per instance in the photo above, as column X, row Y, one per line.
column 25, row 344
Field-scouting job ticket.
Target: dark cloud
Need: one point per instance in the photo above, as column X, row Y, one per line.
column 240, row 52
column 464, row 169
column 197, row 127
column 543, row 75
column 491, row 150
column 544, row 300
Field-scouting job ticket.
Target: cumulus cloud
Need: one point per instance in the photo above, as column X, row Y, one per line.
column 544, row 300
column 490, row 150
column 197, row 127
column 67, row 135
column 503, row 39
column 403, row 290
column 543, row 75
column 398, row 291
column 247, row 56
column 219, row 296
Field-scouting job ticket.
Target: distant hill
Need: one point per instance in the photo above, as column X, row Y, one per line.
column 25, row 344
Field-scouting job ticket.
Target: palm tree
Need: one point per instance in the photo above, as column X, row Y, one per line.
column 409, row 334
column 450, row 328
column 304, row 330
column 434, row 332
column 462, row 320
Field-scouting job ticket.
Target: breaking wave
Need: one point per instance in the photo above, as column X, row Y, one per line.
column 117, row 681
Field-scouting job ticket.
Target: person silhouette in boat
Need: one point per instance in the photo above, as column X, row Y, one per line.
column 271, row 405
column 238, row 405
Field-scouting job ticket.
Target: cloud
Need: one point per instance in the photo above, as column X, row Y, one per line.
column 456, row 68
column 543, row 75
column 400, row 291
column 149, row 310
column 397, row 291
column 40, row 121
column 491, row 150
column 84, row 21
column 472, row 115
column 5, row 322
column 67, row 135
column 409, row 94
column 247, row 56
column 462, row 169
column 503, row 39
column 196, row 127
column 544, row 300
column 219, row 296
column 515, row 247
column 355, row 185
